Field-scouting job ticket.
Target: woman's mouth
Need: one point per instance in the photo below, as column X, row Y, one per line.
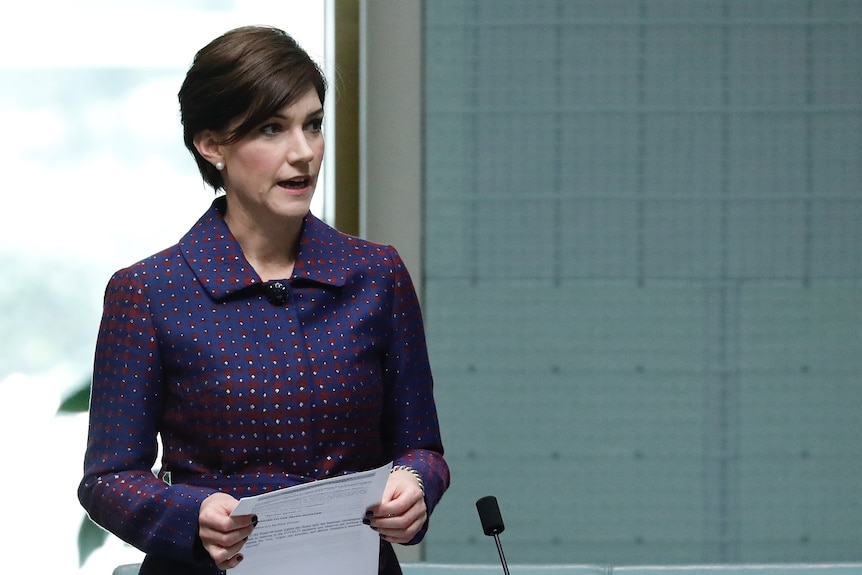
column 296, row 183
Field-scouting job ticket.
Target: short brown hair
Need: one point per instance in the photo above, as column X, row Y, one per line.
column 247, row 74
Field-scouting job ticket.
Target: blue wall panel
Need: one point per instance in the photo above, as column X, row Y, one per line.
column 643, row 277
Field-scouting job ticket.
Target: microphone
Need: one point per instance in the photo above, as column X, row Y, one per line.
column 276, row 292
column 492, row 524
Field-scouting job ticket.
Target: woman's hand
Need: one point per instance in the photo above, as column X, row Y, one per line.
column 222, row 535
column 402, row 512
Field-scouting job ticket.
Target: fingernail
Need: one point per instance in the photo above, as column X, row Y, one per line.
column 239, row 558
column 369, row 513
column 254, row 520
column 366, row 521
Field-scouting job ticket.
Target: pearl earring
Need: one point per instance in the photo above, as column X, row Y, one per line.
column 219, row 166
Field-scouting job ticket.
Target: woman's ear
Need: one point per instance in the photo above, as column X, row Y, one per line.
column 207, row 145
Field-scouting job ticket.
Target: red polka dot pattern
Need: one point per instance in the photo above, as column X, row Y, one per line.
column 247, row 395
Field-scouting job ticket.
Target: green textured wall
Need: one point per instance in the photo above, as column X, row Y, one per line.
column 643, row 277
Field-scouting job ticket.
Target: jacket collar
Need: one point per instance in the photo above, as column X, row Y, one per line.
column 218, row 263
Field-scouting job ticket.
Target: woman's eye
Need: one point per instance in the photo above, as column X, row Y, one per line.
column 315, row 125
column 270, row 129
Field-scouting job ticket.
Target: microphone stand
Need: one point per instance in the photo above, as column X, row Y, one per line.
column 492, row 524
column 500, row 551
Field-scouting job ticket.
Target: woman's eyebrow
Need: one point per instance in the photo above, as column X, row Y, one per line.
column 317, row 112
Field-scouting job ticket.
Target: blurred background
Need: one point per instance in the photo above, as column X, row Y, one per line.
column 96, row 178
column 643, row 259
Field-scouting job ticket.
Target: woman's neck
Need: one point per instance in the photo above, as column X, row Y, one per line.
column 270, row 249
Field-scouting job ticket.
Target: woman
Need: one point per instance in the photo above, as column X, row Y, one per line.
column 265, row 349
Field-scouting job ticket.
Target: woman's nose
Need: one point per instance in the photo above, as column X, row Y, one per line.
column 299, row 149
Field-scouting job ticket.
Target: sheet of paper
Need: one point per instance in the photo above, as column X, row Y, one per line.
column 314, row 527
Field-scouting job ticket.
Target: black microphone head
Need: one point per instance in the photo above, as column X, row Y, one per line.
column 489, row 515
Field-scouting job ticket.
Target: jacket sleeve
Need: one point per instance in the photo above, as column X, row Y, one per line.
column 411, row 427
column 119, row 489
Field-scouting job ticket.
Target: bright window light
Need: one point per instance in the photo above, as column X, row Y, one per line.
column 96, row 177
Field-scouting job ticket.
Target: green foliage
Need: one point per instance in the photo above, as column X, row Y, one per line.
column 90, row 538
column 78, row 401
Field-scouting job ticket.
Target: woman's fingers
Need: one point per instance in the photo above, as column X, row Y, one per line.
column 399, row 529
column 232, row 557
column 399, row 519
column 221, row 534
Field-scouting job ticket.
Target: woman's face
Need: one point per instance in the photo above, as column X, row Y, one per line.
column 273, row 170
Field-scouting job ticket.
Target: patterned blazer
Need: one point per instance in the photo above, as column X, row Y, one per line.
column 252, row 386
